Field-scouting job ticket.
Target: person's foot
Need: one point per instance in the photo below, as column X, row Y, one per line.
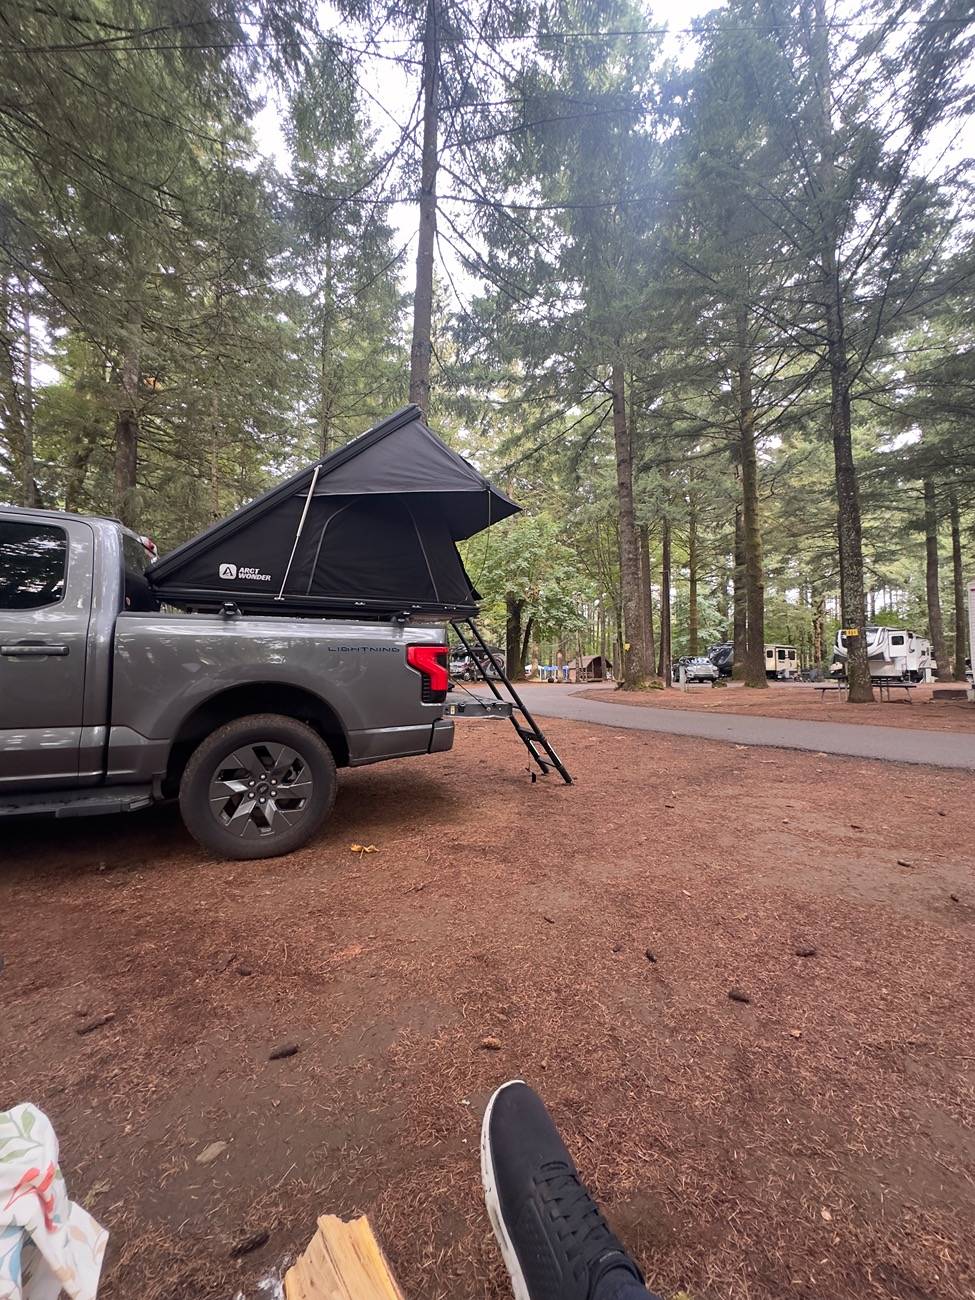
column 555, row 1242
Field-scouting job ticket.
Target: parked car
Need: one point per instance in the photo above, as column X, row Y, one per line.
column 109, row 704
column 697, row 668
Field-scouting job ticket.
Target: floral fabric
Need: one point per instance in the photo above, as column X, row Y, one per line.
column 48, row 1245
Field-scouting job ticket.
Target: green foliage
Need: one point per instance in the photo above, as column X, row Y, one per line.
column 529, row 559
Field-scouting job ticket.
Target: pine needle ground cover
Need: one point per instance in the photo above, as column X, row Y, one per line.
column 812, row 1136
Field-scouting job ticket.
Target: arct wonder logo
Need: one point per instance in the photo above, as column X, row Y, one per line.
column 230, row 572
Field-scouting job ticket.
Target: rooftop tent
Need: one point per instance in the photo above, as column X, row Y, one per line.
column 371, row 529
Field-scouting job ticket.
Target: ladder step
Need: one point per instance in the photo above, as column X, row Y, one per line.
column 529, row 733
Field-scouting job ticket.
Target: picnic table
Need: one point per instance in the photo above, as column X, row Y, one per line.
column 888, row 684
column 884, row 684
column 828, row 687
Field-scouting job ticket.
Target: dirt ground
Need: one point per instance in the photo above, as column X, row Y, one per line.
column 816, row 1141
column 798, row 700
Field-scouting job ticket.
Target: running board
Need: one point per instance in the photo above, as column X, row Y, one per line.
column 529, row 732
column 76, row 803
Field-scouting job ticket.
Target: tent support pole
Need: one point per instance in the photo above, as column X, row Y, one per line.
column 301, row 525
column 527, row 728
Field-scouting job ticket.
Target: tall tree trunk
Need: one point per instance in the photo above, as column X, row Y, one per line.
column 647, row 586
column 215, row 511
column 79, row 458
column 327, row 377
column 849, row 529
column 421, row 350
column 693, row 623
column 525, row 641
column 28, row 484
column 636, row 672
column 958, row 587
column 664, row 668
column 936, row 627
column 646, row 618
column 818, row 627
column 513, row 607
column 739, row 600
column 127, row 423
column 754, row 674
column 849, row 526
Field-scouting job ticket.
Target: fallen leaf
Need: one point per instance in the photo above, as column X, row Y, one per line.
column 254, row 1242
column 346, row 954
column 95, row 1023
column 491, row 1044
column 210, row 1153
column 825, row 1215
column 795, row 1033
column 285, row 1050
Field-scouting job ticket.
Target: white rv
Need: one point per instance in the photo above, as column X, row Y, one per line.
column 781, row 661
column 892, row 652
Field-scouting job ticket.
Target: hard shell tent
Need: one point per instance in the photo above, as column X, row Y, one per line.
column 371, row 529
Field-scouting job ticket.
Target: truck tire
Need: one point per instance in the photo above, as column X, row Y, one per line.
column 258, row 787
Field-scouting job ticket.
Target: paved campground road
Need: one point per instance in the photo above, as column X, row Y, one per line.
column 895, row 744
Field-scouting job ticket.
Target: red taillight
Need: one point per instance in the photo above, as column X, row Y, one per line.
column 431, row 661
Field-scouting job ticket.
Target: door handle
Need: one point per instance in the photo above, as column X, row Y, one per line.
column 34, row 650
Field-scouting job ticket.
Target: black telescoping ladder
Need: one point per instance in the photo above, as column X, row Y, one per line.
column 527, row 728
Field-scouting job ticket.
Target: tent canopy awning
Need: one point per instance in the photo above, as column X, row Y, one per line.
column 370, row 528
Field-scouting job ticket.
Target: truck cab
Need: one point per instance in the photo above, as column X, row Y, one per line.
column 46, row 581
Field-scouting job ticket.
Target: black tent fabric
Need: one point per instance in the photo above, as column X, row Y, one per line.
column 370, row 529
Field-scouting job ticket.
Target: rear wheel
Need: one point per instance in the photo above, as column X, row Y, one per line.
column 258, row 787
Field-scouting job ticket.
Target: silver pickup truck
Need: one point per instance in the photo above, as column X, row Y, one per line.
column 109, row 704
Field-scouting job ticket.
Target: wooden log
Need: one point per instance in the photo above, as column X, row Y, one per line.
column 343, row 1261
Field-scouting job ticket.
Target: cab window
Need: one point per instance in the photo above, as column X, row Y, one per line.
column 138, row 595
column 33, row 563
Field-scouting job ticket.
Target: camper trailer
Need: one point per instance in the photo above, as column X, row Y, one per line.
column 892, row 652
column 781, row 661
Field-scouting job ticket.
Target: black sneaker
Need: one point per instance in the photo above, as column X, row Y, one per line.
column 555, row 1242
